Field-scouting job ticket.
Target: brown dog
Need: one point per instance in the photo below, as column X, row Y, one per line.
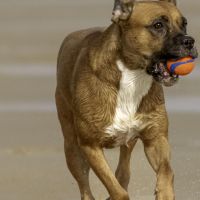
column 109, row 93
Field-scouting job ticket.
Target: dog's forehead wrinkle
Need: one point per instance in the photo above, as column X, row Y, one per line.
column 154, row 9
column 159, row 10
column 177, row 24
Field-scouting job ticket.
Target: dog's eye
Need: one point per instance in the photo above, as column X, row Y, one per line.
column 158, row 28
column 185, row 23
column 158, row 25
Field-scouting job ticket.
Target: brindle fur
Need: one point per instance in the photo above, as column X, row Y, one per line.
column 87, row 88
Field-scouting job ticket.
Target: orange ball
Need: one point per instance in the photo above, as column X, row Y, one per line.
column 182, row 66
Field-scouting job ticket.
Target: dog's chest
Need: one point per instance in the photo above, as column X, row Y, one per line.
column 134, row 85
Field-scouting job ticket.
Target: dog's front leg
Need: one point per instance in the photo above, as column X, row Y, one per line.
column 158, row 153
column 97, row 161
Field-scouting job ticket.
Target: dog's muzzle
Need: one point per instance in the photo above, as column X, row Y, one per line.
column 180, row 46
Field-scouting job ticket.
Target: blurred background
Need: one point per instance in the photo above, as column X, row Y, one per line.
column 32, row 163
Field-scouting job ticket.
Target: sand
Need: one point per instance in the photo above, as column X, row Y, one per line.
column 32, row 163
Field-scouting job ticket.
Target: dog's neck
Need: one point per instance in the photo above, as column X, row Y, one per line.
column 110, row 49
column 133, row 60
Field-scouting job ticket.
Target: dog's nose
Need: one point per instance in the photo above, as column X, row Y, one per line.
column 188, row 42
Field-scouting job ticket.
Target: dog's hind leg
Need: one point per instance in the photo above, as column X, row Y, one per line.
column 76, row 161
column 158, row 153
column 123, row 169
column 100, row 166
column 79, row 168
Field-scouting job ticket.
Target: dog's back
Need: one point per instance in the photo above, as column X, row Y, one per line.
column 68, row 55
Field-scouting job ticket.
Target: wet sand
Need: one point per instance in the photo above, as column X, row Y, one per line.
column 32, row 163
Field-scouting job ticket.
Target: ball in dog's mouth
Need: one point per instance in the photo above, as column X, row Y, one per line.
column 162, row 75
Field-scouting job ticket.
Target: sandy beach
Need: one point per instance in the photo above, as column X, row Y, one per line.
column 32, row 162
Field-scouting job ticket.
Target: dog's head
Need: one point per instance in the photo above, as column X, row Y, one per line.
column 156, row 31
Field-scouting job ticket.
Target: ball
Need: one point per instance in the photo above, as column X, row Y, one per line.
column 181, row 66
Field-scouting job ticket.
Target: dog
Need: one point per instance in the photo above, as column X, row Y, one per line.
column 109, row 93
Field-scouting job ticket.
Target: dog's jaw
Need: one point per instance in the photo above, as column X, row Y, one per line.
column 134, row 85
column 161, row 74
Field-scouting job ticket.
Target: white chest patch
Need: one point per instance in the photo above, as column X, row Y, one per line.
column 134, row 85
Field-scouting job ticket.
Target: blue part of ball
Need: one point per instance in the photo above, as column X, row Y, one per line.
column 175, row 65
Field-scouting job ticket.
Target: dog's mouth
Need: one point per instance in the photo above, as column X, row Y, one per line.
column 160, row 72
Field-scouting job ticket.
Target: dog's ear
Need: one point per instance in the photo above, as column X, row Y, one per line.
column 171, row 1
column 122, row 10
